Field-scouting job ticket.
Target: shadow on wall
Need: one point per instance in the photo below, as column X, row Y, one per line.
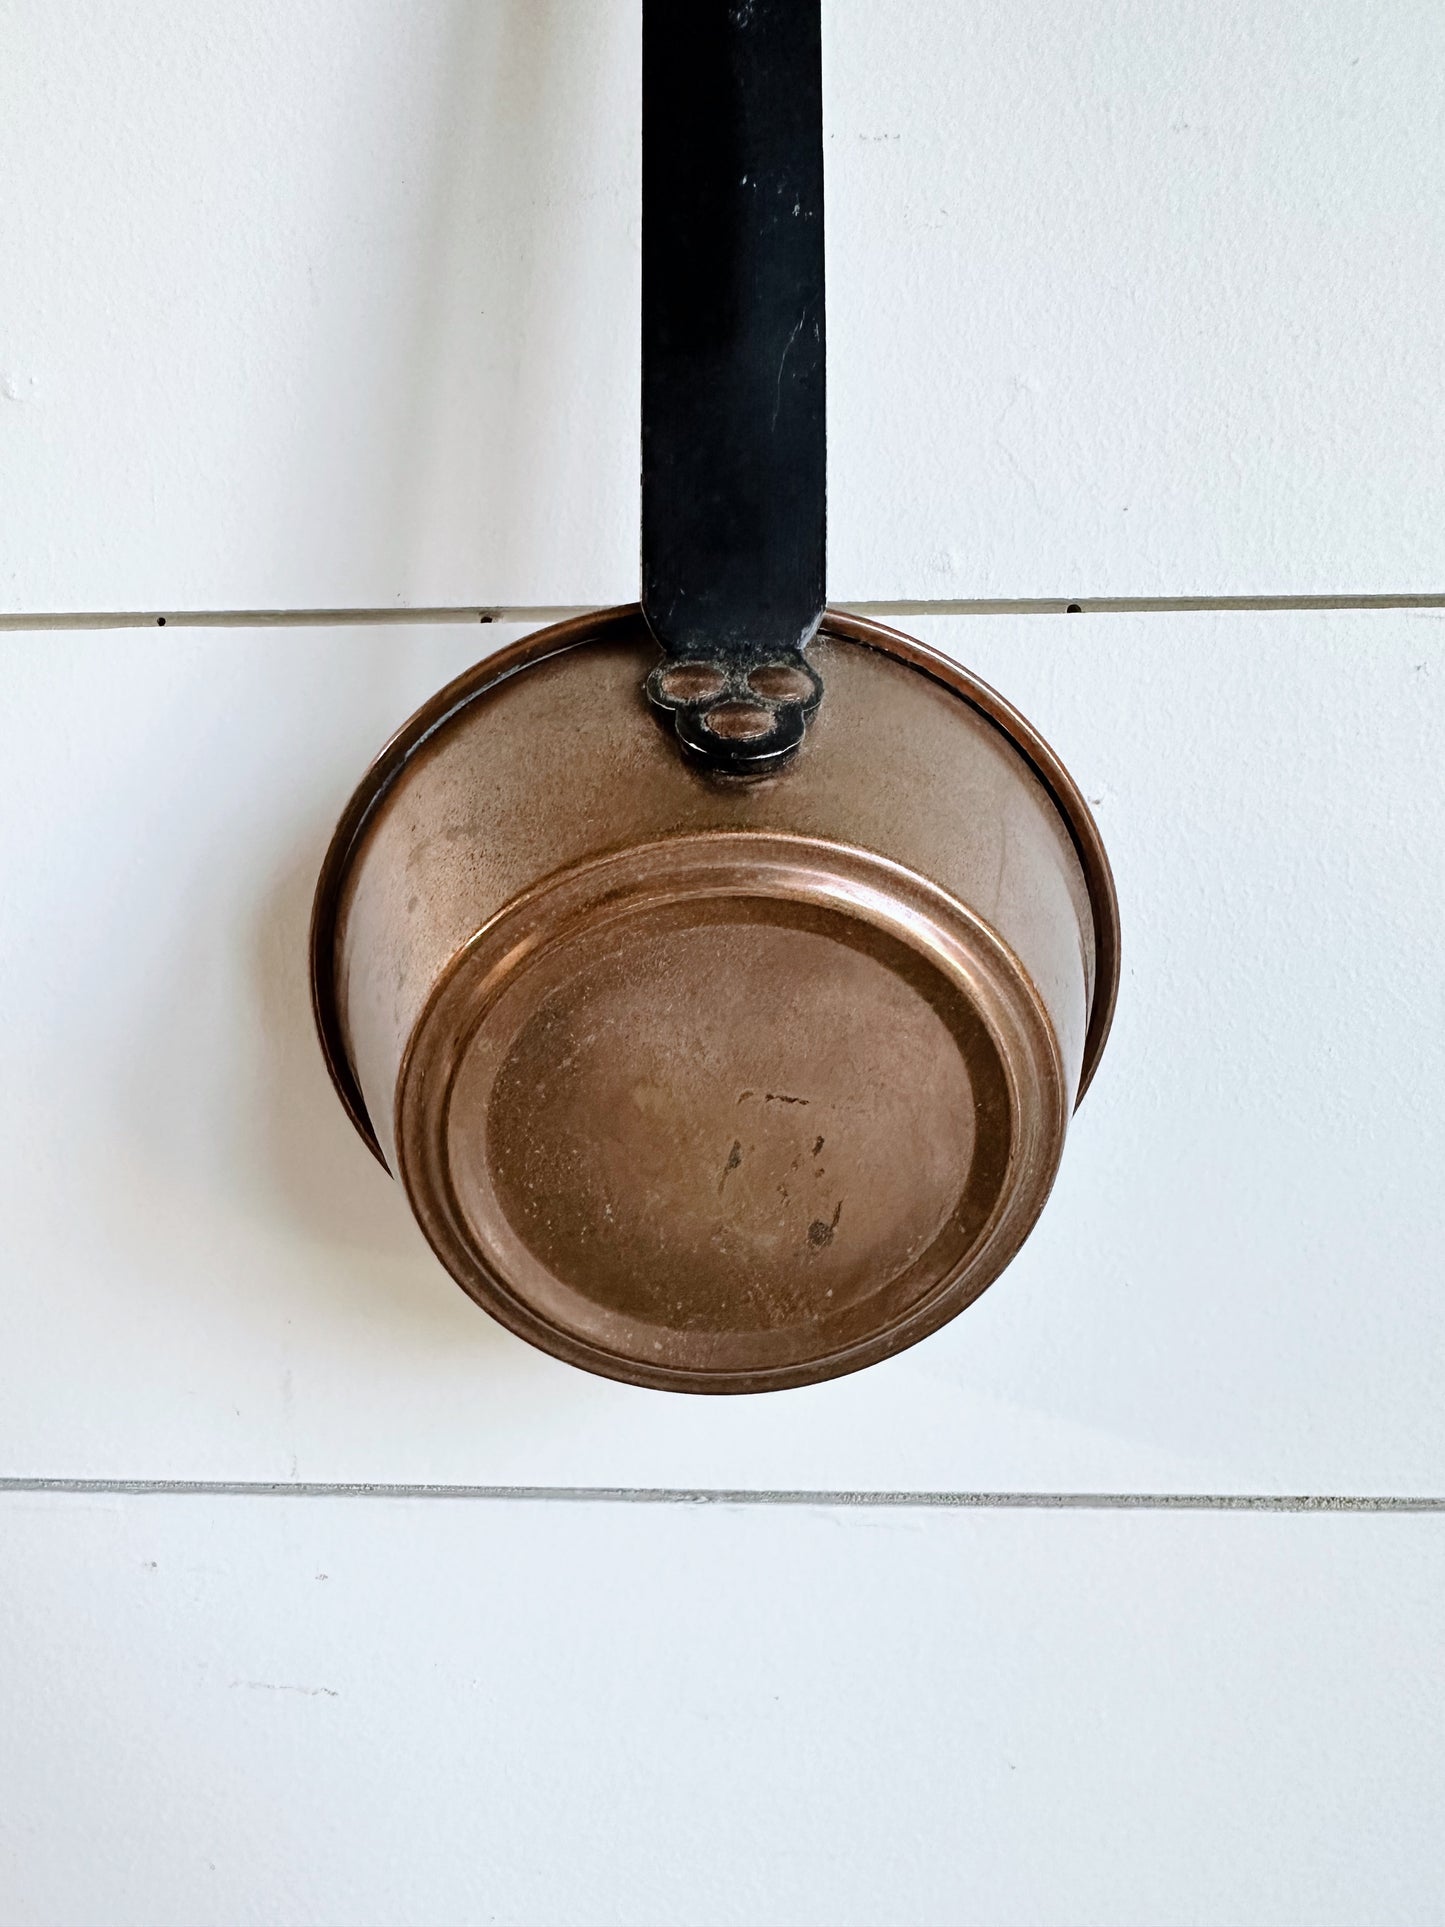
column 310, row 1157
column 308, row 1161
column 471, row 323
column 228, row 1169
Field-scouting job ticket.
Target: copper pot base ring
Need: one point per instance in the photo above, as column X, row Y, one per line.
column 611, row 1155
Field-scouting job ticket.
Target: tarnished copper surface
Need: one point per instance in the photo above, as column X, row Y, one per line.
column 713, row 1084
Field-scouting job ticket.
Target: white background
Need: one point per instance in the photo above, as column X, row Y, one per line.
column 331, row 305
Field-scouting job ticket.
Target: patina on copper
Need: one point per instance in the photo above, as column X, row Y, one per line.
column 704, row 1082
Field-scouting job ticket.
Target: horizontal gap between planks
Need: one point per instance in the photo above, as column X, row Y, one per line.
column 539, row 613
column 725, row 1496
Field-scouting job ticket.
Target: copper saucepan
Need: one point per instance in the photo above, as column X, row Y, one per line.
column 711, row 1083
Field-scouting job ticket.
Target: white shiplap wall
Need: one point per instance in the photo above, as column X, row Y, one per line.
column 331, row 304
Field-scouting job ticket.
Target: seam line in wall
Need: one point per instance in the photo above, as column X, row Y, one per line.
column 544, row 613
column 728, row 1496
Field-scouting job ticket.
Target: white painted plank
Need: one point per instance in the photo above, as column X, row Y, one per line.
column 351, row 1712
column 1236, row 1285
column 333, row 302
column 1131, row 300
column 319, row 302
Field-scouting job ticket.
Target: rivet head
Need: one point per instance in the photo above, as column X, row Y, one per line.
column 781, row 682
column 691, row 682
column 739, row 722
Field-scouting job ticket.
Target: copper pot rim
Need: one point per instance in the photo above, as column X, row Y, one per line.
column 606, row 625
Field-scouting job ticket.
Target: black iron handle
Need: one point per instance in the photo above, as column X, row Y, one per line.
column 734, row 431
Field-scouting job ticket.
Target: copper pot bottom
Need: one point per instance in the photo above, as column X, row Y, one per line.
column 730, row 1113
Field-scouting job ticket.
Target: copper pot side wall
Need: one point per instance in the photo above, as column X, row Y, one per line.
column 532, row 772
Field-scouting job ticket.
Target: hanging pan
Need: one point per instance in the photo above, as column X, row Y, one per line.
column 719, row 976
